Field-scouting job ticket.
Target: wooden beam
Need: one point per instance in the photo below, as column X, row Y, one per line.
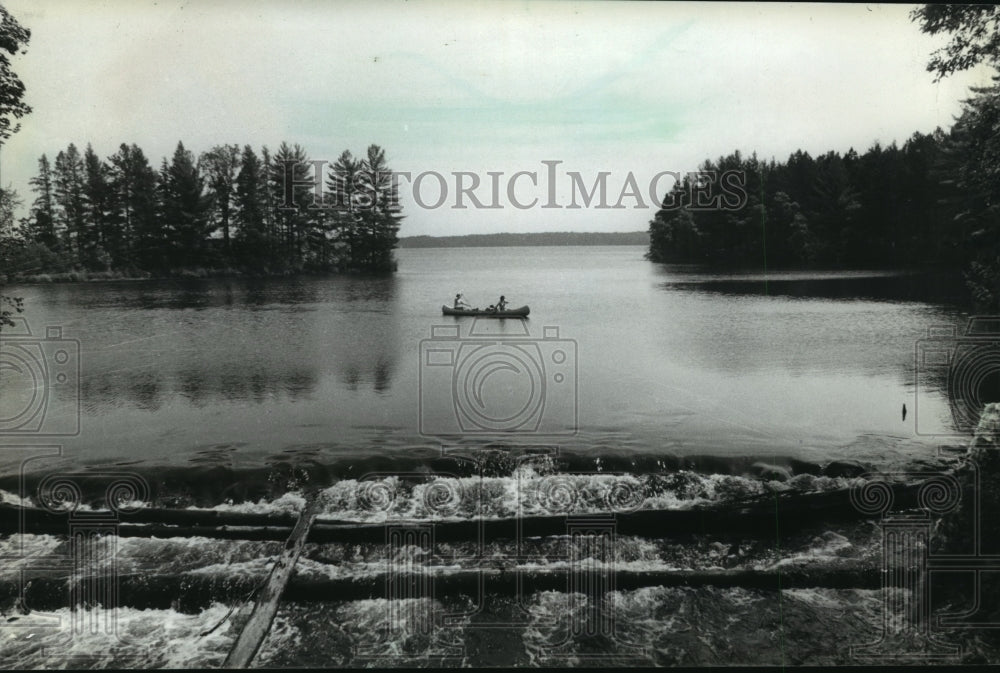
column 762, row 518
column 265, row 604
column 192, row 592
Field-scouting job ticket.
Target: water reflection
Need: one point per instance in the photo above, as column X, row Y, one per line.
column 363, row 333
column 936, row 287
column 667, row 361
column 199, row 384
column 186, row 293
column 273, row 339
column 755, row 328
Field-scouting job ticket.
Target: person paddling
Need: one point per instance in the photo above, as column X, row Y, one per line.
column 502, row 304
column 460, row 303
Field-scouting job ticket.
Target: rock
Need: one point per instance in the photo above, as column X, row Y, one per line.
column 844, row 468
column 804, row 467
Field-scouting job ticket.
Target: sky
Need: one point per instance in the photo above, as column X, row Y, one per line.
column 618, row 88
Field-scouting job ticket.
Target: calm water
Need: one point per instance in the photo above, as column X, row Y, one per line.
column 664, row 360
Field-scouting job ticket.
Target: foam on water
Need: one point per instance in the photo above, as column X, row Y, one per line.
column 533, row 489
column 242, row 559
column 9, row 498
column 289, row 503
column 532, row 493
column 370, row 633
column 823, row 549
column 20, row 552
column 650, row 626
column 654, row 625
column 135, row 639
column 687, row 626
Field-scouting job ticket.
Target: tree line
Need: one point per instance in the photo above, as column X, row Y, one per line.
column 229, row 208
column 933, row 201
column 883, row 208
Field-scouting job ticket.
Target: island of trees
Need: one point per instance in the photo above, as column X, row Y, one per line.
column 933, row 201
column 229, row 210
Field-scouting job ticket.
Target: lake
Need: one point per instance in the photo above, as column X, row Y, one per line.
column 667, row 360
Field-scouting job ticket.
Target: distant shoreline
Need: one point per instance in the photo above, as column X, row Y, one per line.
column 527, row 239
column 174, row 274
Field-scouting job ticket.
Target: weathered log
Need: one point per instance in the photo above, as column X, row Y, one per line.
column 265, row 604
column 170, row 517
column 764, row 518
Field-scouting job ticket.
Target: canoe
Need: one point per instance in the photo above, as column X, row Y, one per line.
column 521, row 312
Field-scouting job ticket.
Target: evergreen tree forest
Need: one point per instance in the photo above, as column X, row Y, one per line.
column 887, row 207
column 229, row 209
column 934, row 201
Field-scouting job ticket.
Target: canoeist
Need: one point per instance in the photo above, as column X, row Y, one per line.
column 502, row 304
column 460, row 303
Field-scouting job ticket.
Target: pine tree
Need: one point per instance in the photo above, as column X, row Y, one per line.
column 71, row 212
column 185, row 212
column 290, row 183
column 219, row 165
column 342, row 182
column 380, row 215
column 42, row 216
column 267, row 195
column 252, row 232
column 134, row 183
column 104, row 233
